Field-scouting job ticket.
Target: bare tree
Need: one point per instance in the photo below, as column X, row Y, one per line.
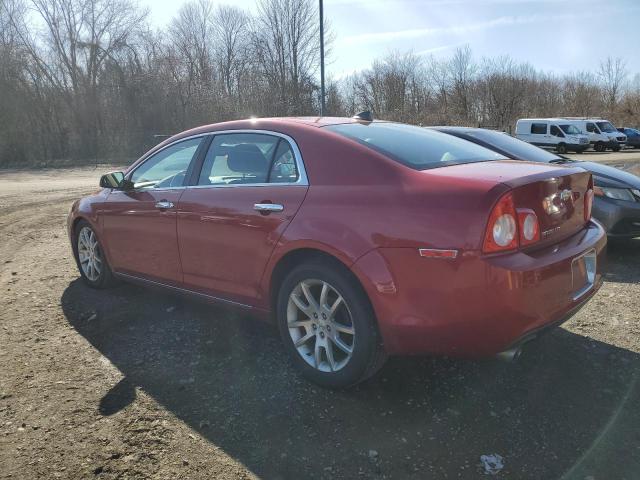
column 461, row 73
column 612, row 73
column 286, row 45
column 93, row 80
column 232, row 46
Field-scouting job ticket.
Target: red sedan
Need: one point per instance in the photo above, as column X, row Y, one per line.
column 360, row 239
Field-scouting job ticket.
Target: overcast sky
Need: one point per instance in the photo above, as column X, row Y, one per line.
column 552, row 35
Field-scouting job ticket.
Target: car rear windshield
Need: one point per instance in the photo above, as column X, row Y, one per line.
column 416, row 147
column 513, row 146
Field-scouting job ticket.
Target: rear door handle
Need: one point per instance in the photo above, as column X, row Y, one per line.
column 268, row 207
column 164, row 204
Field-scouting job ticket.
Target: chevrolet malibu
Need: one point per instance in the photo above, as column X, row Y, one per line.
column 360, row 239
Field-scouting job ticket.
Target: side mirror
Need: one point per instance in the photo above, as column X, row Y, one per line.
column 114, row 180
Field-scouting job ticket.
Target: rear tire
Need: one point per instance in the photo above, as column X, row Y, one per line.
column 89, row 255
column 328, row 326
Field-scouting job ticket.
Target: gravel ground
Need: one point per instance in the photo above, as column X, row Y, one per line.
column 136, row 383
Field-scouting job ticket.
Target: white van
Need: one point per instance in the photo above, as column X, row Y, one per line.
column 602, row 134
column 556, row 133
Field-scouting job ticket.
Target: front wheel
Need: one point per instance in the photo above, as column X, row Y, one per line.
column 561, row 148
column 616, row 148
column 93, row 266
column 328, row 326
column 599, row 147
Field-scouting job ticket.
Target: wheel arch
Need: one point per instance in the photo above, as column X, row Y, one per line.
column 306, row 254
column 72, row 231
column 73, row 225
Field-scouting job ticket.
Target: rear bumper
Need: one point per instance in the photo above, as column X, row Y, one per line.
column 476, row 305
column 619, row 218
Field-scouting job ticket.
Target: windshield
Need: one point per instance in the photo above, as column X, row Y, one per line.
column 512, row 146
column 415, row 147
column 606, row 127
column 570, row 129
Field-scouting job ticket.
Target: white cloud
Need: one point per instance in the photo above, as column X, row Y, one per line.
column 504, row 21
column 441, row 48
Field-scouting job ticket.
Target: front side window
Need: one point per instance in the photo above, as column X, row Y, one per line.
column 415, row 147
column 591, row 128
column 539, row 128
column 248, row 158
column 606, row 127
column 555, row 131
column 166, row 168
column 570, row 129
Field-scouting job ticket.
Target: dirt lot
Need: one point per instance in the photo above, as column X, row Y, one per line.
column 134, row 383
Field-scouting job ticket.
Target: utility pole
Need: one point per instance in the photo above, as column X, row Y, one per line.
column 321, row 61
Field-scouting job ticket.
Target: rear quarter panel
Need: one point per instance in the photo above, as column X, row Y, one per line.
column 359, row 200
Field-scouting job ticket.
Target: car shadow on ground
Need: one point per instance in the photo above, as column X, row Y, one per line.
column 569, row 406
column 623, row 257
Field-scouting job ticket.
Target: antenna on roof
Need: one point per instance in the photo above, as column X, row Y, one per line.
column 364, row 116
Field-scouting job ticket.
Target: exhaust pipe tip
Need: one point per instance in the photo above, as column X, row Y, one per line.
column 510, row 355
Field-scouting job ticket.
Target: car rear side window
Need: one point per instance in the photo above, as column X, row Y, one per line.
column 415, row 147
column 283, row 167
column 238, row 158
column 539, row 128
column 248, row 158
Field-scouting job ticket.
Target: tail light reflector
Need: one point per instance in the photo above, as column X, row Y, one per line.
column 501, row 234
column 588, row 201
column 528, row 226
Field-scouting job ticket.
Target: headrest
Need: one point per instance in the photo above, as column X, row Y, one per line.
column 246, row 157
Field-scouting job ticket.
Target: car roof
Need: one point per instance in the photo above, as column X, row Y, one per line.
column 310, row 121
column 451, row 128
column 286, row 125
column 554, row 119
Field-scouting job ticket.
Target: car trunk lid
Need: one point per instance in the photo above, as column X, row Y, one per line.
column 554, row 192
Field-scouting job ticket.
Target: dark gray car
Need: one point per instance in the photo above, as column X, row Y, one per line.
column 617, row 193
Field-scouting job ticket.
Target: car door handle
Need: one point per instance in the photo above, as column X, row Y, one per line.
column 164, row 204
column 268, row 207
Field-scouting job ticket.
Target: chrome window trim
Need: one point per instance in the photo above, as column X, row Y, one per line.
column 303, row 180
column 144, row 160
column 302, row 172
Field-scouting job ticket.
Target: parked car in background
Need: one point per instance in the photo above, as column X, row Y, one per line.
column 552, row 133
column 360, row 238
column 617, row 193
column 602, row 134
column 633, row 136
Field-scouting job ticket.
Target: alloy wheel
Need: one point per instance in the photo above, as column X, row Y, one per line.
column 89, row 254
column 320, row 325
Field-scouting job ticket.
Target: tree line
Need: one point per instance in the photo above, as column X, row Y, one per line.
column 91, row 80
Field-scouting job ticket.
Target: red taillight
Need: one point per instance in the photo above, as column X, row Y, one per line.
column 588, row 201
column 502, row 230
column 528, row 226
